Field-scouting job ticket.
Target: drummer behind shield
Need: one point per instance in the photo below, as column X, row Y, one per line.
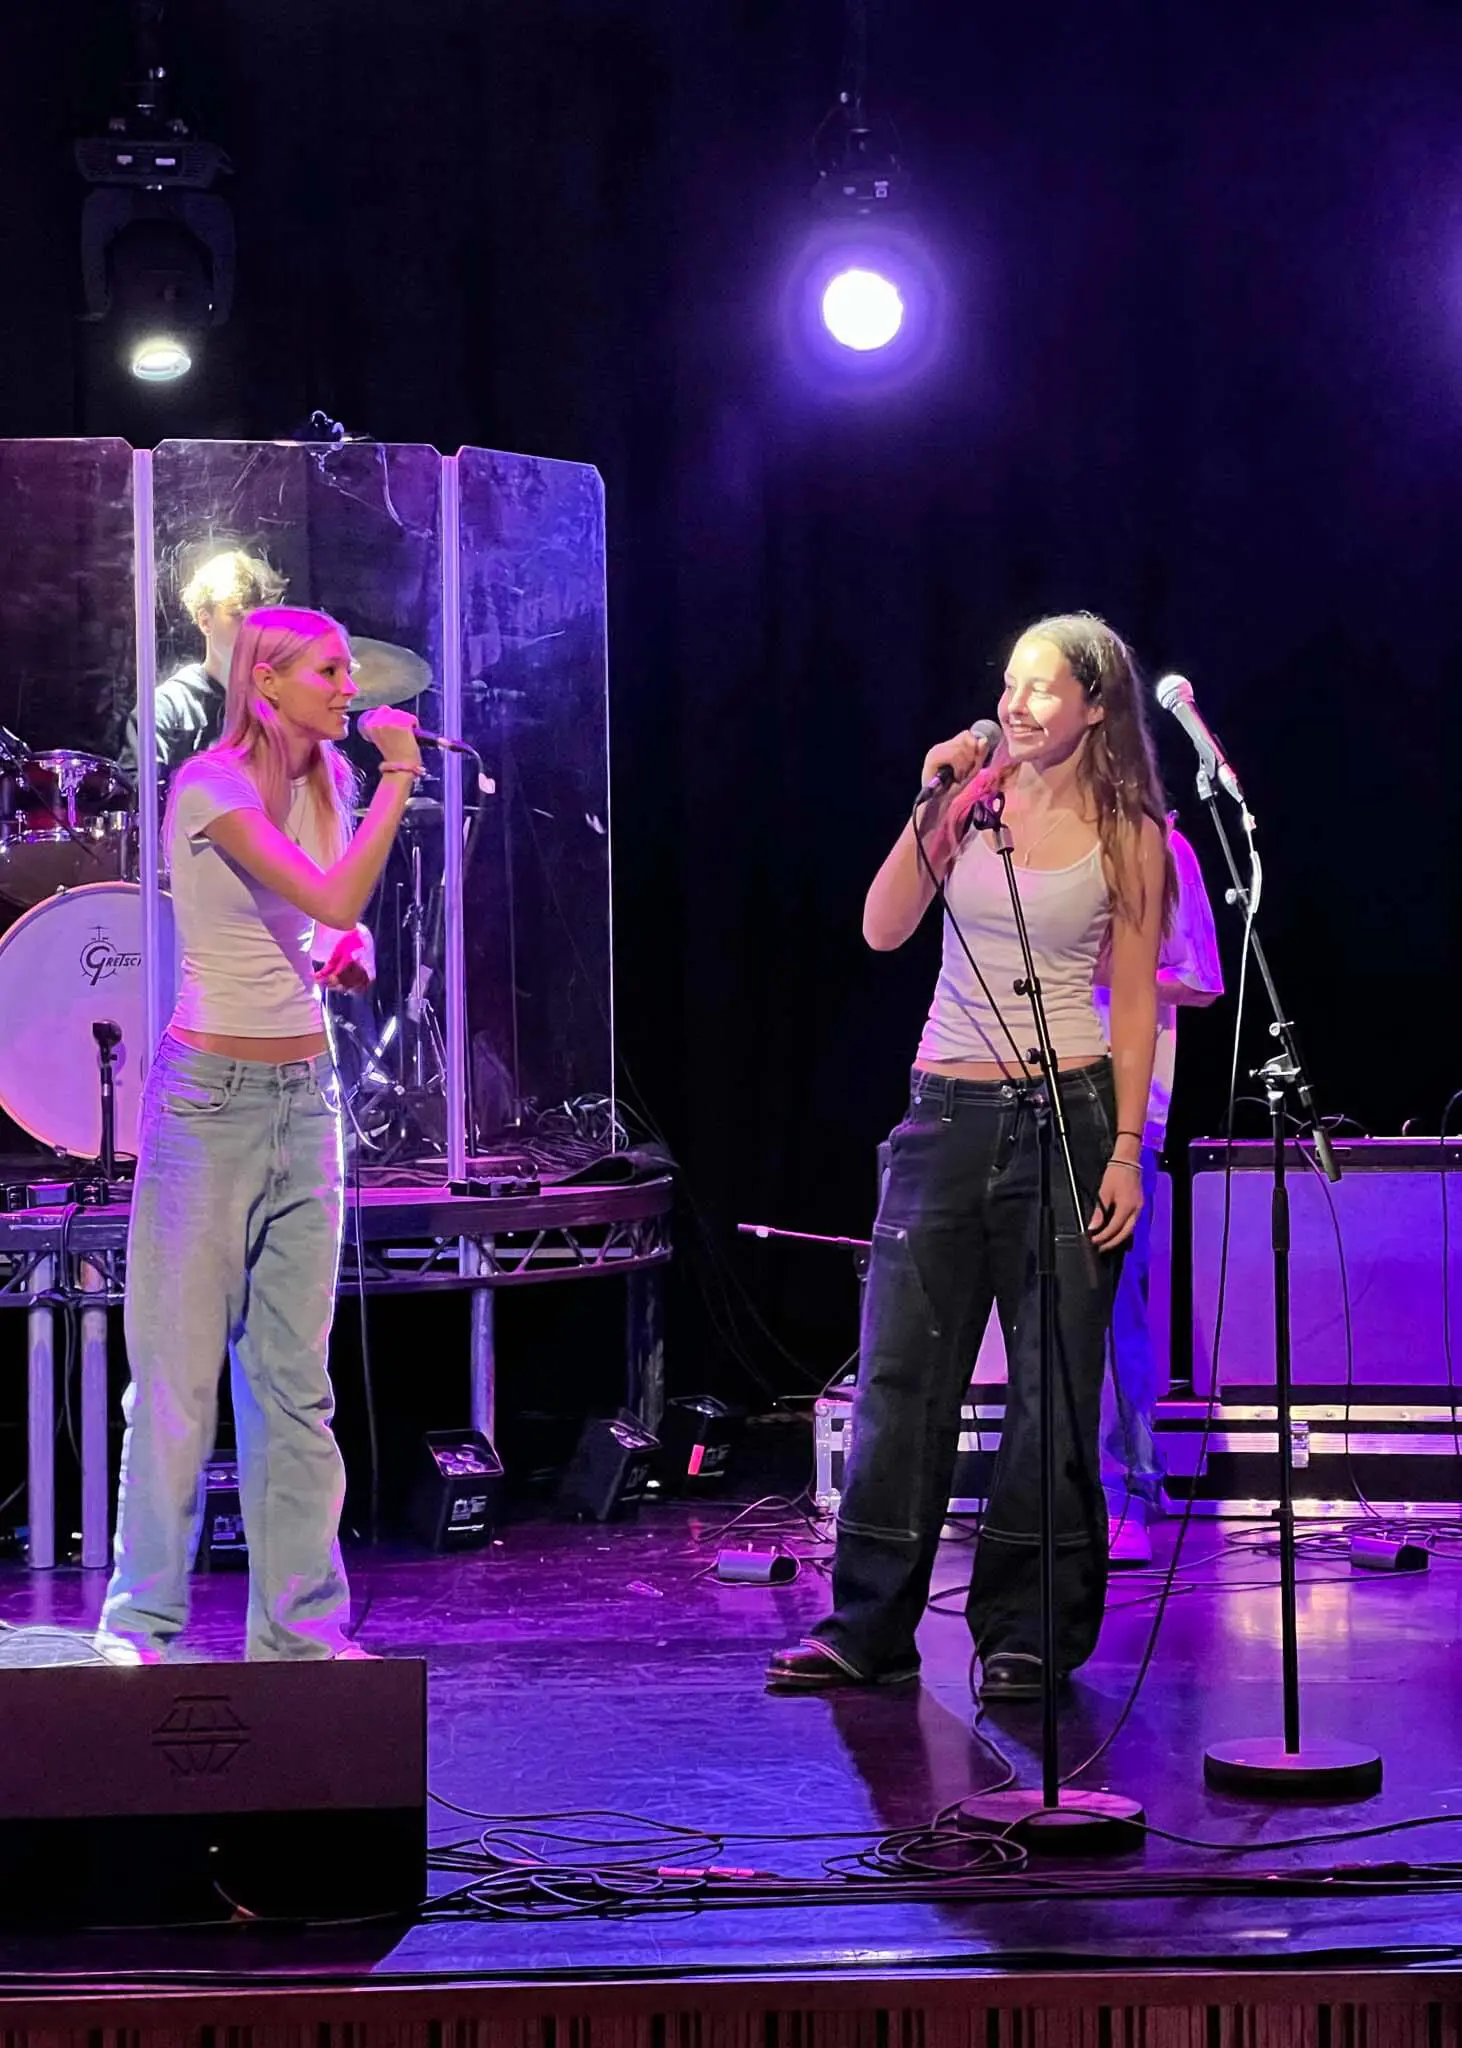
column 189, row 704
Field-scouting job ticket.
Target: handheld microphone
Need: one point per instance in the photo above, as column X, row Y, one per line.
column 434, row 739
column 983, row 729
column 1175, row 694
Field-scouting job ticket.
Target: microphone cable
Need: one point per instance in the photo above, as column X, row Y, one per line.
column 954, row 924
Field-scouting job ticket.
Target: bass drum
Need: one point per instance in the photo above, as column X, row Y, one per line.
column 74, row 961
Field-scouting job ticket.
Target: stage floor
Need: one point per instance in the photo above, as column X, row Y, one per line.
column 587, row 1667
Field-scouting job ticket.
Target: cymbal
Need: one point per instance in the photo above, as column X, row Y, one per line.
column 384, row 674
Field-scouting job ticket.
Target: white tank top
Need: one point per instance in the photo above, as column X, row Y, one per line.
column 1069, row 914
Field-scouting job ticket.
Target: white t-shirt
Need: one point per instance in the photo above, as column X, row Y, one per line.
column 1189, row 955
column 247, row 954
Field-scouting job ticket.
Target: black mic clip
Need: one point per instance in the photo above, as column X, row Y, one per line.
column 986, row 812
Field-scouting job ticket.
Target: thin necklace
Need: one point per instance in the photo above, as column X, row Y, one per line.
column 1025, row 858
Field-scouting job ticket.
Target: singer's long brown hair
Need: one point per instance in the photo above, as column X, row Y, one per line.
column 1116, row 768
column 274, row 636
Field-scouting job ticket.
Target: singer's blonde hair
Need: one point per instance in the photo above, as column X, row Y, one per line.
column 275, row 637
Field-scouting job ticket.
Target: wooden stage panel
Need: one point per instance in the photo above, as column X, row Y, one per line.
column 1079, row 2012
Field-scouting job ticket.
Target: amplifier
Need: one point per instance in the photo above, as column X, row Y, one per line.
column 1377, row 1235
column 990, row 1362
column 178, row 1792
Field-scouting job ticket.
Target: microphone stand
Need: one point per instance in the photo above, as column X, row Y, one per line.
column 1283, row 1765
column 108, row 1037
column 1055, row 1820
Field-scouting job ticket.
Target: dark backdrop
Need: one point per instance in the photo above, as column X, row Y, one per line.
column 1204, row 374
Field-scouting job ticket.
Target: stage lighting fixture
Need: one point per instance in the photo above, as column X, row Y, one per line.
column 610, row 1471
column 454, row 1501
column 157, row 246
column 698, row 1436
column 862, row 300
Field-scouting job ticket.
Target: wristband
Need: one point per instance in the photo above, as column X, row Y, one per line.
column 401, row 768
column 1140, row 1136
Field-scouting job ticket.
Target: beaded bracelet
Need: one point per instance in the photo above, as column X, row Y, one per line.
column 401, row 768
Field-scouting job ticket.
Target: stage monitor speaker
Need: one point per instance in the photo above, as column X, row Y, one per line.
column 183, row 1792
column 1385, row 1213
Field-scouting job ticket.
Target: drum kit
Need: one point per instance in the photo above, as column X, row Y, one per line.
column 72, row 968
column 72, row 984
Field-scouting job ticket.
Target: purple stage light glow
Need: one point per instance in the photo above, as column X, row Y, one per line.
column 862, row 309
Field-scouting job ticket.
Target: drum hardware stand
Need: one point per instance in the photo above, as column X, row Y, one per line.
column 12, row 763
column 398, row 1102
column 426, row 1036
column 419, row 1097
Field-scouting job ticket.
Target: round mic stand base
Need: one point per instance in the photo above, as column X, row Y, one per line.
column 1079, row 1824
column 1317, row 1768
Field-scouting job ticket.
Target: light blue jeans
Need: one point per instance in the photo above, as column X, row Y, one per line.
column 232, row 1250
column 1132, row 1470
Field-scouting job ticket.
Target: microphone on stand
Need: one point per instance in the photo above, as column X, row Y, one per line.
column 1175, row 694
column 983, row 729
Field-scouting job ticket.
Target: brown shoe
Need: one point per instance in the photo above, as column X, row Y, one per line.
column 813, row 1667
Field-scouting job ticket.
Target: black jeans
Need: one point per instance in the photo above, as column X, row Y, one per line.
column 956, row 1230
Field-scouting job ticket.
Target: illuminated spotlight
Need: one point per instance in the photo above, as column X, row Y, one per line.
column 160, row 359
column 862, row 309
column 863, row 306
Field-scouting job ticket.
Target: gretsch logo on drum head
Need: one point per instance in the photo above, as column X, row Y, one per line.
column 101, row 959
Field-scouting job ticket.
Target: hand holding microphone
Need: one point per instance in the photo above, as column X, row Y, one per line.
column 951, row 764
column 423, row 738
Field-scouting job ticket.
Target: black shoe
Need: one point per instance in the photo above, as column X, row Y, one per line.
column 1013, row 1675
column 812, row 1667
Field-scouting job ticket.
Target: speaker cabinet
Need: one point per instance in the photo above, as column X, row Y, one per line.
column 1384, row 1215
column 182, row 1792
